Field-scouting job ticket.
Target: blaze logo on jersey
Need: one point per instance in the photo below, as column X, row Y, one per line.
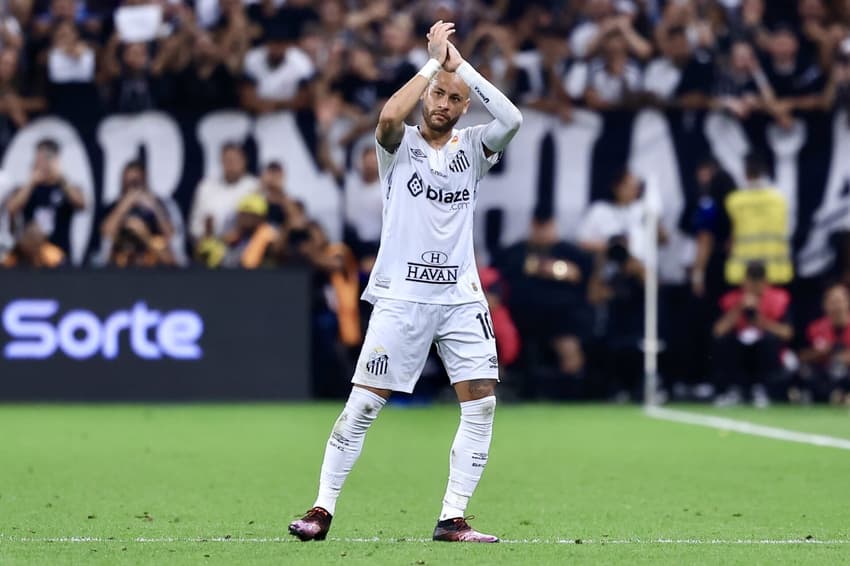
column 378, row 363
column 460, row 163
column 415, row 186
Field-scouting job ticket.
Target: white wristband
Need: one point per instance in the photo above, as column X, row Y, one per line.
column 429, row 69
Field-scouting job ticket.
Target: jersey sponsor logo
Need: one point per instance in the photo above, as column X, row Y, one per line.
column 432, row 274
column 417, row 153
column 459, row 200
column 439, row 174
column 415, row 185
column 434, row 258
column 460, row 163
column 378, row 363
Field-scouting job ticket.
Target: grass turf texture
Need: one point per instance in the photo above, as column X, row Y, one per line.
column 596, row 474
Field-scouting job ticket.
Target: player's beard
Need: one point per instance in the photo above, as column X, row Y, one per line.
column 440, row 128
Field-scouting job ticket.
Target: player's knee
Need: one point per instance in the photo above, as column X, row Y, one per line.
column 364, row 404
column 488, row 405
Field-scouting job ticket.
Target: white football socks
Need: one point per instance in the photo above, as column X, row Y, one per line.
column 470, row 450
column 345, row 444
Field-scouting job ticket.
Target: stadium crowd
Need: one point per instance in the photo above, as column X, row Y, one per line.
column 568, row 315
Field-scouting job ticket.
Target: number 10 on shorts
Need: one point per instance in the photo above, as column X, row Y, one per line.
column 486, row 326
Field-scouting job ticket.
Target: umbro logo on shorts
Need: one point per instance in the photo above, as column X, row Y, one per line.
column 460, row 163
column 378, row 364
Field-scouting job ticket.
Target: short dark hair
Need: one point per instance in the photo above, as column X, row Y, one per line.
column 48, row 144
column 755, row 165
column 274, row 166
column 756, row 270
column 232, row 145
column 135, row 164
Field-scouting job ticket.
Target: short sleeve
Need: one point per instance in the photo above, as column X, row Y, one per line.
column 475, row 135
column 592, row 229
column 386, row 158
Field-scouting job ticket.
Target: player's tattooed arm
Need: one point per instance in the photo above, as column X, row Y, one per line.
column 390, row 128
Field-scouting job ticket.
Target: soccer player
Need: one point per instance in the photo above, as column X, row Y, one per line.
column 424, row 285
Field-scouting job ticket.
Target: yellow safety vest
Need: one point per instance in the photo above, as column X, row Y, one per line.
column 759, row 220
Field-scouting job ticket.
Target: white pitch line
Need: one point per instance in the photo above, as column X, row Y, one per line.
column 401, row 540
column 745, row 427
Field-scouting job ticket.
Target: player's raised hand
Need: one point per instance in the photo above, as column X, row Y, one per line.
column 454, row 60
column 438, row 40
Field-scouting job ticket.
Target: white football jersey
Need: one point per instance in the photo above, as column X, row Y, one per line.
column 426, row 253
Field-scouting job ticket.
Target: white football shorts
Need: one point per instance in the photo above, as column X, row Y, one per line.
column 400, row 335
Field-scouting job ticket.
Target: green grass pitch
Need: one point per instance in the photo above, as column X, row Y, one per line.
column 213, row 484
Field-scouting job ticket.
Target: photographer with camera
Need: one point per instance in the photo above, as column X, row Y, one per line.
column 48, row 199
column 825, row 371
column 749, row 338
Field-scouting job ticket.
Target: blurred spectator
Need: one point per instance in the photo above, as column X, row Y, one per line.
column 825, row 370
column 750, row 23
column 249, row 244
column 742, row 86
column 621, row 216
column 138, row 201
column 837, row 92
column 507, row 336
column 364, row 203
column 399, row 58
column 539, row 78
column 203, row 80
column 547, row 281
column 797, row 83
column 360, row 82
column 137, row 245
column 759, row 218
column 10, row 32
column 612, row 78
column 135, row 82
column 33, row 249
column 594, row 24
column 712, row 227
column 700, row 20
column 277, row 74
column 272, row 187
column 681, row 76
column 234, row 32
column 749, row 338
column 17, row 102
column 613, row 231
column 48, row 199
column 70, row 59
column 491, row 49
column 216, row 200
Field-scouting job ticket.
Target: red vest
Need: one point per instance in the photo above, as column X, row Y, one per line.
column 773, row 304
column 821, row 334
